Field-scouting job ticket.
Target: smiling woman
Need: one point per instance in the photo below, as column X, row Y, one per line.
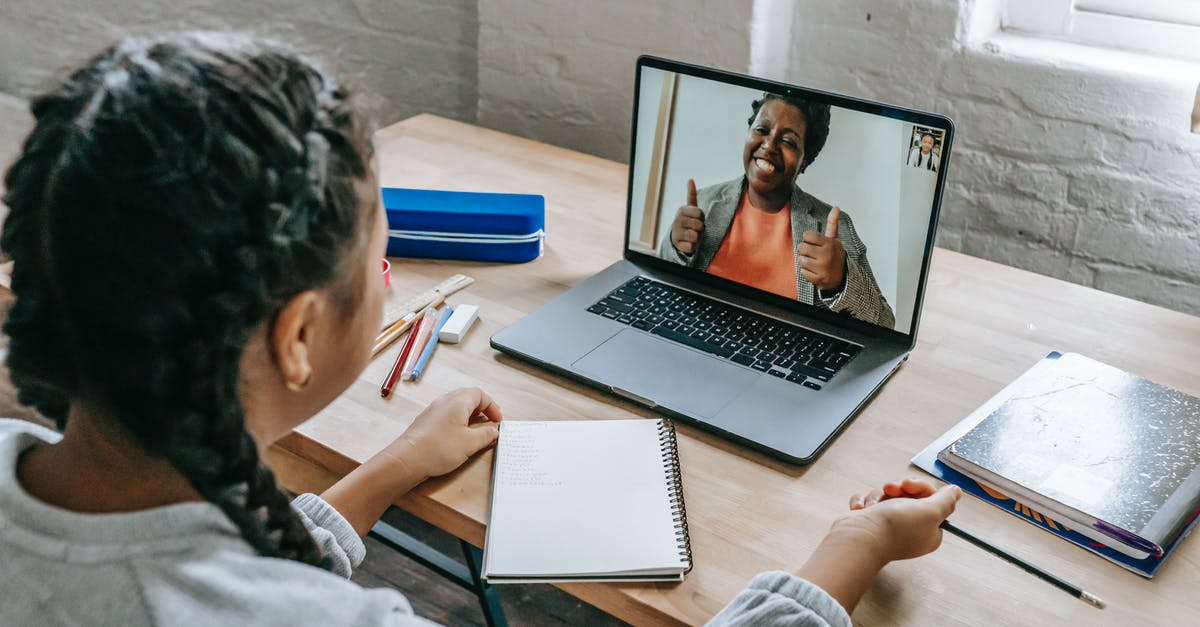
column 762, row 230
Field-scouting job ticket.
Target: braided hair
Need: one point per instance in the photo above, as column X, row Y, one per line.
column 174, row 193
column 816, row 121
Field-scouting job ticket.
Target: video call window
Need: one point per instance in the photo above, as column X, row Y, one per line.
column 822, row 204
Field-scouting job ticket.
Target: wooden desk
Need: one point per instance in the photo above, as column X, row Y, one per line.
column 983, row 325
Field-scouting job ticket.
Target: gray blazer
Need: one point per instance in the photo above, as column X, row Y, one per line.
column 861, row 298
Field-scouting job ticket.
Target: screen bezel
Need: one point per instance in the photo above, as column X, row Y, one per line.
column 913, row 116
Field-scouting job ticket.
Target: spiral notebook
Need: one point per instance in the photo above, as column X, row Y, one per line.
column 597, row 500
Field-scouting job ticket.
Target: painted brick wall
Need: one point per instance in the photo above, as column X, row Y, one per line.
column 406, row 56
column 562, row 71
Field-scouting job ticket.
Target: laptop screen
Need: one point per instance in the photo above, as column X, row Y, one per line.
column 822, row 200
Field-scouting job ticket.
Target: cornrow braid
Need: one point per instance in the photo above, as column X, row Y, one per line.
column 204, row 180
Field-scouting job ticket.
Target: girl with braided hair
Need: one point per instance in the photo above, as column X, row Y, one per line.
column 195, row 229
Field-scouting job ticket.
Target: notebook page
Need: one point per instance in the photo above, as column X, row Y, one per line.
column 580, row 497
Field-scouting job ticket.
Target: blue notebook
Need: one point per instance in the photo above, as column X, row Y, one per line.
column 464, row 225
column 1074, row 437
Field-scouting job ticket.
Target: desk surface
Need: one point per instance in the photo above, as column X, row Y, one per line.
column 983, row 325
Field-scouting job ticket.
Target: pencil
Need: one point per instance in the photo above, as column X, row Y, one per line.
column 386, row 388
column 390, row 334
column 431, row 344
column 1074, row 591
column 424, row 332
column 397, row 328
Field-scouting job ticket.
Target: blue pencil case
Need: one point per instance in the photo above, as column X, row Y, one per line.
column 464, row 225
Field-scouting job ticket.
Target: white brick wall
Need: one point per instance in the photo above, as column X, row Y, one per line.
column 409, row 56
column 1078, row 165
column 562, row 71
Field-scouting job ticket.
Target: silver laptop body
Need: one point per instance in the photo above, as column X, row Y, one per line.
column 815, row 365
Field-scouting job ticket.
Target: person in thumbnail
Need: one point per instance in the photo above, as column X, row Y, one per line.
column 762, row 230
column 923, row 156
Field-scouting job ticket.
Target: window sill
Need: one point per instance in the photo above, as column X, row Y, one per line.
column 1178, row 78
column 1090, row 58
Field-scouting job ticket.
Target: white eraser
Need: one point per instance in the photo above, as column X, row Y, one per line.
column 459, row 323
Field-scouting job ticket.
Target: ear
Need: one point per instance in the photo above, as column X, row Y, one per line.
column 292, row 336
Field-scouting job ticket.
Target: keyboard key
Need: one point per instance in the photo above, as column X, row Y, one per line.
column 611, row 314
column 734, row 345
column 786, row 362
column 627, row 319
column 811, row 384
column 701, row 335
column 743, row 359
column 815, row 373
column 620, row 307
column 749, row 350
column 670, row 324
column 643, row 325
column 776, row 372
column 716, row 340
column 761, row 365
column 693, row 342
column 794, row 377
column 597, row 308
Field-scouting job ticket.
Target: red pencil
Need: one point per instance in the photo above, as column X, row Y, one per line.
column 398, row 366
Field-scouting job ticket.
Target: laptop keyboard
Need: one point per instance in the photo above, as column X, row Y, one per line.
column 799, row 355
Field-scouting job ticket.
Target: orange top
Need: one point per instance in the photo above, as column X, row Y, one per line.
column 757, row 250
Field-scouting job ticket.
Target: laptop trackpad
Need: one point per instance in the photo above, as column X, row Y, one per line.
column 681, row 379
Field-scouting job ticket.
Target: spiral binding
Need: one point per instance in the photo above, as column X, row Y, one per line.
column 670, row 449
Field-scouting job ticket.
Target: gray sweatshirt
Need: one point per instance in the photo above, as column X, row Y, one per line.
column 187, row 564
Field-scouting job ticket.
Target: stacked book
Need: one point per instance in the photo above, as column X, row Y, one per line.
column 1103, row 458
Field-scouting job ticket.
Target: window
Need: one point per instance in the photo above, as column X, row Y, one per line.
column 1164, row 27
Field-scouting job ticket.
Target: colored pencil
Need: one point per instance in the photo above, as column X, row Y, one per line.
column 424, row 331
column 397, row 328
column 431, row 344
column 388, row 383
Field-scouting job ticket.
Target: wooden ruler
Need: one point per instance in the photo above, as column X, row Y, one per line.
column 397, row 310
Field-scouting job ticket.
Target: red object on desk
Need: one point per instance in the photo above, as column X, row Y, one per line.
column 399, row 365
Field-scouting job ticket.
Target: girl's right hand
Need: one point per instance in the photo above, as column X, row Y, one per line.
column 449, row 431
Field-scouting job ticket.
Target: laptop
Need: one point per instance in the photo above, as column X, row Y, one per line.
column 744, row 302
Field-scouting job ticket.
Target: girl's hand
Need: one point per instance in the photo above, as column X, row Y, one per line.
column 450, row 430
column 900, row 520
column 896, row 522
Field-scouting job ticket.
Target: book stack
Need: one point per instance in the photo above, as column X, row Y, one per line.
column 1103, row 458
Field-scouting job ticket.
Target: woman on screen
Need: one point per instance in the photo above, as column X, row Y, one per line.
column 762, row 230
